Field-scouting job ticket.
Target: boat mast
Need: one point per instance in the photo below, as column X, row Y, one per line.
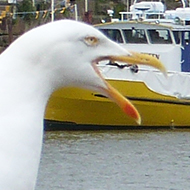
column 52, row 10
column 86, row 6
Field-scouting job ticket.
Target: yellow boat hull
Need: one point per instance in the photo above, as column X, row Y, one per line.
column 90, row 108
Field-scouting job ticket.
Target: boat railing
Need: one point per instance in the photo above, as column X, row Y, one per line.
column 139, row 15
column 157, row 17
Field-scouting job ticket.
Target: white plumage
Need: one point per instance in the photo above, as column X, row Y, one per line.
column 46, row 58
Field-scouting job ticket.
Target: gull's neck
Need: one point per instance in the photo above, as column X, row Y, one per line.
column 23, row 99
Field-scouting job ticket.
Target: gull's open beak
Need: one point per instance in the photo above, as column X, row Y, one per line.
column 113, row 94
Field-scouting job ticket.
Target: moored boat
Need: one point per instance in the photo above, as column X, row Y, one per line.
column 161, row 101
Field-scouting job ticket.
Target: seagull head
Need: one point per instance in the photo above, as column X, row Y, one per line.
column 68, row 52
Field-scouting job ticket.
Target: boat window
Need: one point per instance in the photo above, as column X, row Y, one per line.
column 177, row 37
column 159, row 36
column 113, row 34
column 187, row 37
column 135, row 36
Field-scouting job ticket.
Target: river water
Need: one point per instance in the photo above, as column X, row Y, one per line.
column 115, row 160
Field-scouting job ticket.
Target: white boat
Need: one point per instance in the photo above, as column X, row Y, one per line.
column 161, row 101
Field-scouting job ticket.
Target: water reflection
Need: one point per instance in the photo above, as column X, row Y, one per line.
column 109, row 160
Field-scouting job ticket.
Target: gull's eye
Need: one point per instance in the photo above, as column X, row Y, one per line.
column 91, row 40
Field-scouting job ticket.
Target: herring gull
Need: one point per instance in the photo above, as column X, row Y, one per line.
column 58, row 54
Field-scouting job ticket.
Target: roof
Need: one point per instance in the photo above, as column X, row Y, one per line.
column 143, row 25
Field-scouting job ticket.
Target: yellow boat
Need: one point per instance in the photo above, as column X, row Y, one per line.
column 72, row 105
column 161, row 101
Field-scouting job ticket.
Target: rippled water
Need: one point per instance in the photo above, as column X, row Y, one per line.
column 115, row 160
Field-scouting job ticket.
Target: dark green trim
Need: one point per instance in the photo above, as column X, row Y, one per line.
column 176, row 102
column 50, row 125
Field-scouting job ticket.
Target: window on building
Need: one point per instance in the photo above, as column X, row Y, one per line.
column 113, row 34
column 135, row 36
column 159, row 36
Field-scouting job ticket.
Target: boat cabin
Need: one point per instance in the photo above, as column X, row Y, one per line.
column 168, row 42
